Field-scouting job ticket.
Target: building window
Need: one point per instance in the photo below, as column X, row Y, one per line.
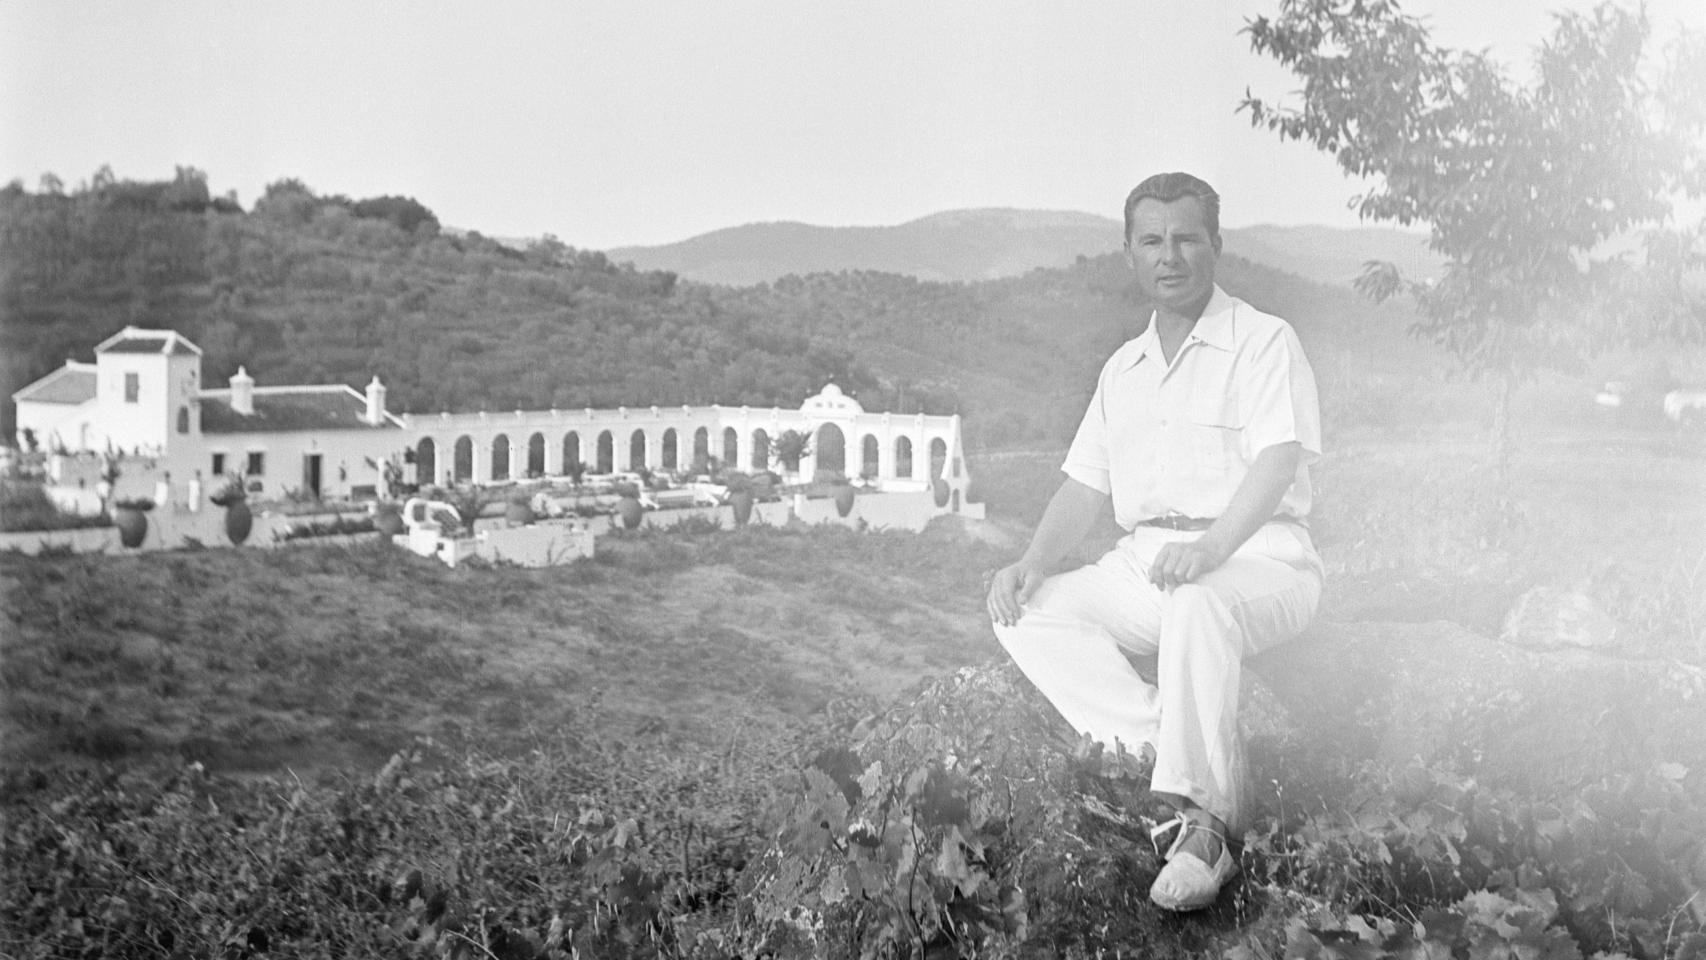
column 183, row 419
column 218, row 464
column 132, row 387
column 257, row 464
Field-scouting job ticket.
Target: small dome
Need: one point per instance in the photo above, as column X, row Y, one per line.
column 830, row 400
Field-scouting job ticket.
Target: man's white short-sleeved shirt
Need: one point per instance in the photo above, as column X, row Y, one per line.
column 1179, row 439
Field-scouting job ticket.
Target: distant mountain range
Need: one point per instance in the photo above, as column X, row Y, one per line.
column 972, row 245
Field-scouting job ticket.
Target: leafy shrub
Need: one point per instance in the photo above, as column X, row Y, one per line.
column 337, row 526
column 1427, row 863
column 26, row 506
column 230, row 491
column 966, row 821
column 590, row 848
column 693, row 525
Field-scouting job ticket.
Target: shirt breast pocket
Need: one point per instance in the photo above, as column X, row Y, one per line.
column 1216, row 435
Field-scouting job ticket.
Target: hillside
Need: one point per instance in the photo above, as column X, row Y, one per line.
column 974, row 245
column 313, row 289
column 962, row 245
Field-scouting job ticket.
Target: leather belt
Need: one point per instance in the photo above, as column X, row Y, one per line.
column 1178, row 521
column 1175, row 521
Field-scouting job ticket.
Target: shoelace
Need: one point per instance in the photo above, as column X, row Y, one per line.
column 1184, row 825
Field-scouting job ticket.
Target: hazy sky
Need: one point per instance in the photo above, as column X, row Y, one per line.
column 622, row 122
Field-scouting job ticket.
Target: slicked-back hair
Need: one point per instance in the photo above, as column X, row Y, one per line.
column 1167, row 187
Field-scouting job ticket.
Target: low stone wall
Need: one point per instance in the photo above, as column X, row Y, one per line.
column 170, row 529
column 884, row 511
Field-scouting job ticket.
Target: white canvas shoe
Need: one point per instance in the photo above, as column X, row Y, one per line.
column 1187, row 882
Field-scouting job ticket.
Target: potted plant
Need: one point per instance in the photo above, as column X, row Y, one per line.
column 628, row 508
column 740, row 496
column 130, row 515
column 844, row 496
column 789, row 449
column 518, row 512
column 388, row 518
column 239, row 519
column 469, row 502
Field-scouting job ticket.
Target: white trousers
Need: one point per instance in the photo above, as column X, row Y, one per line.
column 1073, row 634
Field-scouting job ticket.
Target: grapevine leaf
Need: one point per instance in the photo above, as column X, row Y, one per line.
column 834, row 888
column 871, row 779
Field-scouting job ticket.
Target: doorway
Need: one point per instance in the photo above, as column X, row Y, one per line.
column 311, row 475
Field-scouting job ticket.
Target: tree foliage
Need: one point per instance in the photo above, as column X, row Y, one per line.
column 1534, row 192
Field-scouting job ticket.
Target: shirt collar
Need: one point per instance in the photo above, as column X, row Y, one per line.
column 1214, row 328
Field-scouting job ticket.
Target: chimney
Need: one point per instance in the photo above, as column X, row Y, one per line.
column 243, row 393
column 375, row 402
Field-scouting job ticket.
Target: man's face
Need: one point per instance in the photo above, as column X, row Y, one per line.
column 1173, row 254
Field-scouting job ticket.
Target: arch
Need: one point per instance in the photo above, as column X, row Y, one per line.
column 536, row 455
column 426, row 462
column 183, row 419
column 571, row 451
column 701, row 450
column 870, row 451
column 637, row 450
column 731, row 448
column 463, row 462
column 831, row 445
column 760, row 449
column 606, row 453
column 667, row 458
column 500, row 457
column 938, row 456
column 903, row 458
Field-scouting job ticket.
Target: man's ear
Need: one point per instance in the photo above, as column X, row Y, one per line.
column 1216, row 242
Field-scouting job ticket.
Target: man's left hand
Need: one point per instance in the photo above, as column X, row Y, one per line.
column 1184, row 561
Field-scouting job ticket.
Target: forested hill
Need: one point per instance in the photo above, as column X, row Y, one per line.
column 306, row 288
column 965, row 245
column 972, row 245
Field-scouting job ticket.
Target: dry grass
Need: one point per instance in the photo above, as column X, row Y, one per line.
column 323, row 656
column 326, row 656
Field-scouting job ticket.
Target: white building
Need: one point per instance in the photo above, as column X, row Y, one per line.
column 143, row 396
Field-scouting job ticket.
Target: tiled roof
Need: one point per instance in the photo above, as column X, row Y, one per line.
column 138, row 340
column 72, row 384
column 283, row 409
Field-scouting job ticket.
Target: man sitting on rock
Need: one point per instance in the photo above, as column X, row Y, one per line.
column 1199, row 433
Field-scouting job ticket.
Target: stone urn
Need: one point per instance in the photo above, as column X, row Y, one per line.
column 239, row 520
column 741, row 502
column 630, row 512
column 844, row 499
column 518, row 513
column 131, row 519
column 388, row 520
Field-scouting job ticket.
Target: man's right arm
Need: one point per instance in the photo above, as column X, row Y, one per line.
column 1069, row 516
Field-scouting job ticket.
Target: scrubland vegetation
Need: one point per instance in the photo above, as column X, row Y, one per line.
column 351, row 750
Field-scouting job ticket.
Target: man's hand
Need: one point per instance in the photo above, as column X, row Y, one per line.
column 1184, row 561
column 1010, row 587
